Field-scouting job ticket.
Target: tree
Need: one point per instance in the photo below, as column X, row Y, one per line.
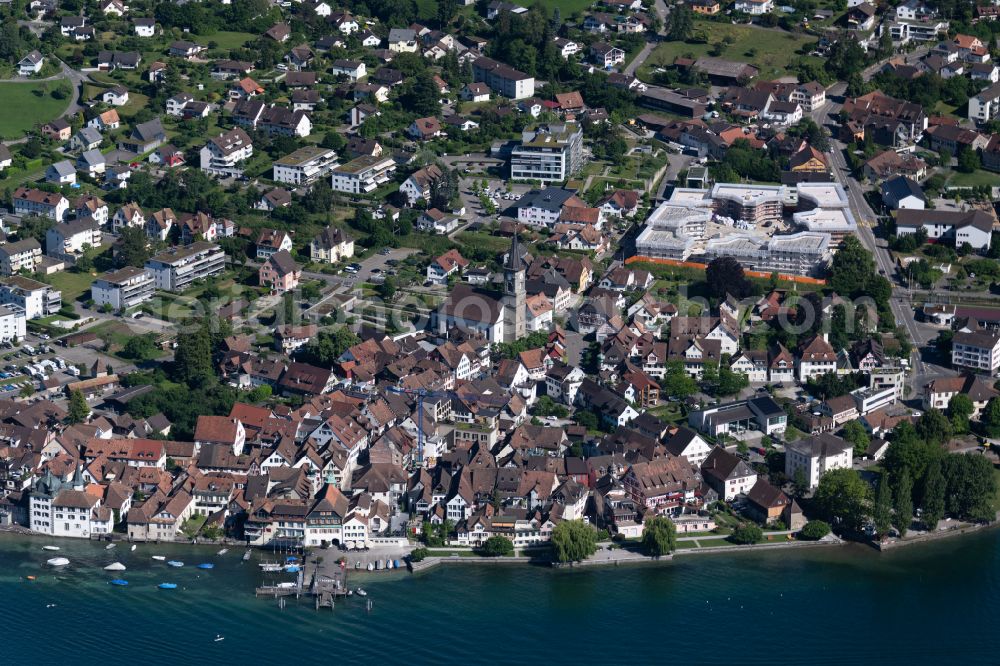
column 677, row 382
column 724, row 275
column 133, row 251
column 140, row 347
column 418, row 554
column 78, row 409
column 933, row 504
column 498, row 546
column 193, row 358
column 324, row 349
column 855, row 433
column 933, row 427
column 421, row 95
column 960, row 409
column 991, row 417
column 815, row 530
column 573, row 541
column 681, row 23
column 747, row 533
column 843, row 497
column 730, row 383
column 903, row 503
column 882, row 515
column 659, row 536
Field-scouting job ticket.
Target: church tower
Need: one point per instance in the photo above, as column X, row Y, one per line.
column 514, row 293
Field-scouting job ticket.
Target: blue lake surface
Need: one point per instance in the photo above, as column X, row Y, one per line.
column 930, row 604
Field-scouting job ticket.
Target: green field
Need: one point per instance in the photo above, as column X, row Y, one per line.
column 26, row 105
column 769, row 50
column 977, row 178
column 226, row 40
column 70, row 284
column 566, row 7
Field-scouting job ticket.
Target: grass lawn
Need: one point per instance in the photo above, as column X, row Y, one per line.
column 71, row 284
column 484, row 240
column 566, row 7
column 977, row 178
column 769, row 50
column 226, row 40
column 26, row 105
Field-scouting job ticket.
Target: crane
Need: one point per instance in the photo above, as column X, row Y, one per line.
column 421, row 394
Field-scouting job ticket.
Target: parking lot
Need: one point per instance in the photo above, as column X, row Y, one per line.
column 376, row 266
column 497, row 188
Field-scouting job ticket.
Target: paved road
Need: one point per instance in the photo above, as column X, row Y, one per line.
column 866, row 218
column 639, row 58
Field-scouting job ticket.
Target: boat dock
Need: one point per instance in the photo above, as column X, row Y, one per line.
column 283, row 590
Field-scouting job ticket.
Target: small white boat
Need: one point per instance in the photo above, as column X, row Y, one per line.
column 223, row 551
column 246, row 555
column 50, row 547
column 371, row 567
column 109, row 546
column 388, row 564
column 117, row 566
column 271, row 567
column 361, row 593
column 286, row 586
column 218, row 638
column 133, row 548
column 57, row 562
column 159, row 558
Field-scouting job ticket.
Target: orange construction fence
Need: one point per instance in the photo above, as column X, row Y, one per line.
column 801, row 279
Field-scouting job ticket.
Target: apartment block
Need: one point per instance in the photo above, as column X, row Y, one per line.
column 548, row 153
column 177, row 268
column 35, row 298
column 305, row 165
column 123, row 289
column 503, row 79
column 362, row 174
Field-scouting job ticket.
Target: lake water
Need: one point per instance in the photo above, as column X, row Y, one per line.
column 918, row 605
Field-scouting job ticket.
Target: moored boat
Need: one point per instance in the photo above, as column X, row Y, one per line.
column 175, row 563
column 270, row 567
column 57, row 562
column 361, row 593
column 133, row 548
column 167, row 586
column 206, row 565
column 50, row 547
column 109, row 546
column 293, row 568
column 116, row 566
column 223, row 551
column 371, row 567
column 246, row 555
column 119, row 582
column 159, row 558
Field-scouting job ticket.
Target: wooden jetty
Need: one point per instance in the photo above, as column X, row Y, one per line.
column 320, row 577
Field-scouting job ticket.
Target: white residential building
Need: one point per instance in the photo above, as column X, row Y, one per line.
column 20, row 255
column 305, row 165
column 362, row 174
column 978, row 350
column 73, row 237
column 123, row 289
column 224, row 155
column 550, row 154
column 177, row 268
column 815, row 456
column 36, row 299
